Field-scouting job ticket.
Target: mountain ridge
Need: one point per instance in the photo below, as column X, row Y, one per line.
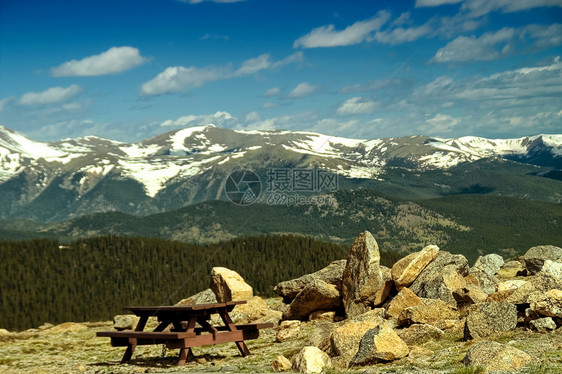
column 72, row 177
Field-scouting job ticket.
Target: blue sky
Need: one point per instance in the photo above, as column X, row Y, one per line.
column 366, row 69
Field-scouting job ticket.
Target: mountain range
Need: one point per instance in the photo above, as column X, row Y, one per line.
column 66, row 179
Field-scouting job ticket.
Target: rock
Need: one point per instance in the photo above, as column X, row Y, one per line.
column 489, row 264
column 317, row 295
column 553, row 268
column 362, row 277
column 405, row 298
column 321, row 337
column 322, row 315
column 255, row 310
column 510, row 285
column 387, row 284
column 406, row 270
column 4, row 332
column 380, row 344
column 281, row 363
column 511, row 269
column 288, row 330
column 125, row 322
column 434, row 312
column 549, row 304
column 228, row 285
column 486, row 282
column 311, row 360
column 331, row 274
column 496, row 357
column 535, row 257
column 441, row 277
column 203, row 297
column 347, row 336
column 469, row 295
column 536, row 285
column 419, row 333
column 373, row 315
column 545, row 324
column 489, row 319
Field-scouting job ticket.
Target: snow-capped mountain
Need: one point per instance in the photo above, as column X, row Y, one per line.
column 62, row 179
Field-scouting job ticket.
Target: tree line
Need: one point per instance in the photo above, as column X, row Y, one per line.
column 93, row 279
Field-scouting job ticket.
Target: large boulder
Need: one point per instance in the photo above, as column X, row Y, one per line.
column 203, row 297
column 321, row 337
column 380, row 344
column 535, row 257
column 125, row 322
column 545, row 324
column 510, row 285
column 468, row 295
column 441, row 277
column 511, row 269
column 549, row 304
column 362, row 277
column 311, row 360
column 489, row 319
column 228, row 285
column 317, row 295
column 331, row 274
column 387, row 285
column 553, row 268
column 536, row 286
column 255, row 310
column 433, row 312
column 345, row 338
column 485, row 281
column 404, row 299
column 406, row 270
column 288, row 330
column 489, row 264
column 419, row 333
column 281, row 363
column 496, row 357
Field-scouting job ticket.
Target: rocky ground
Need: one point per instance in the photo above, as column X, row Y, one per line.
column 74, row 348
column 429, row 313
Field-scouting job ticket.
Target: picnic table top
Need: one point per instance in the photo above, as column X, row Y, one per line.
column 184, row 307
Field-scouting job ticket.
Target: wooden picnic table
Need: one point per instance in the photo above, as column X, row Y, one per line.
column 190, row 327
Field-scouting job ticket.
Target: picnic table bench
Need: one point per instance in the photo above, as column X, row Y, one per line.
column 190, row 327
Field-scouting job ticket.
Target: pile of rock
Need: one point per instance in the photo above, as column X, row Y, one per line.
column 373, row 314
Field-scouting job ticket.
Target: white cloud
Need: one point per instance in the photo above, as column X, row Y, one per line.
column 433, row 3
column 252, row 117
column 174, row 78
column 4, row 102
column 269, row 105
column 51, row 95
column 303, row 89
column 327, row 36
column 274, row 91
column 356, row 105
column 477, row 8
column 114, row 60
column 494, row 45
column 218, row 119
column 401, row 35
column 439, row 124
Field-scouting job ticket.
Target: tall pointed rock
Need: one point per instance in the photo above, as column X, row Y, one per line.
column 362, row 277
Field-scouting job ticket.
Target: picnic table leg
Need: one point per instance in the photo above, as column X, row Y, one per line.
column 186, row 352
column 129, row 351
column 232, row 327
column 133, row 341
